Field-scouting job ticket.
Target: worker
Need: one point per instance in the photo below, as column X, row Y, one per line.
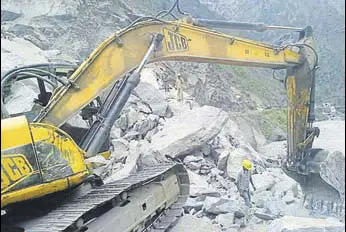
column 179, row 87
column 165, row 82
column 244, row 179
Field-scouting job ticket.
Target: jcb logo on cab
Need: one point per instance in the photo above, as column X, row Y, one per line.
column 175, row 42
column 13, row 168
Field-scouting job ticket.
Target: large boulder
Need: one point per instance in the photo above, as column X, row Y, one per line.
column 278, row 135
column 242, row 129
column 305, row 224
column 121, row 148
column 264, row 181
column 264, row 214
column 193, row 203
column 216, row 206
column 282, row 187
column 130, row 165
column 200, row 187
column 189, row 223
column 283, row 183
column 260, row 198
column 189, row 131
column 274, row 207
column 9, row 15
column 334, row 161
column 222, row 160
column 332, row 139
column 143, row 126
column 274, row 152
column 153, row 98
column 225, row 221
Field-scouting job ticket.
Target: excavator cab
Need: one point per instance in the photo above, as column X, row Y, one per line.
column 50, row 77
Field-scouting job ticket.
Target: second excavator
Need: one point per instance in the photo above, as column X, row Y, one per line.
column 45, row 158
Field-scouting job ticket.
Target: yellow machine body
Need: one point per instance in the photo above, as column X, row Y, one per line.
column 37, row 160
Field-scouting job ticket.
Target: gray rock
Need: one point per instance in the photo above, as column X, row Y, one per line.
column 151, row 133
column 226, row 221
column 191, row 158
column 132, row 135
column 278, row 135
column 200, row 187
column 289, row 197
column 132, row 117
column 222, row 161
column 189, row 223
column 150, row 158
column 37, row 42
column 232, row 229
column 120, row 148
column 305, row 224
column 259, row 198
column 259, row 138
column 274, row 151
column 263, row 214
column 122, row 122
column 144, row 108
column 260, row 203
column 216, row 206
column 145, row 125
column 274, row 207
column 116, row 132
column 241, row 222
column 264, row 181
column 218, row 181
column 189, row 131
column 130, row 165
column 281, row 187
column 193, row 162
column 215, row 153
column 194, row 165
column 234, row 162
column 9, row 15
column 334, row 161
column 192, row 203
column 153, row 98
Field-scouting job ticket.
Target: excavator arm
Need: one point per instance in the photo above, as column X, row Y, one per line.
column 185, row 41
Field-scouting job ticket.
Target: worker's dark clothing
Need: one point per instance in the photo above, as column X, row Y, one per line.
column 243, row 184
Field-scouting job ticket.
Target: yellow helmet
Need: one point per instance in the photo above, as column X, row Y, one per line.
column 247, row 164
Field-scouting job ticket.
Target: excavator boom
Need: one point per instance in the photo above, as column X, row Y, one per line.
column 122, row 52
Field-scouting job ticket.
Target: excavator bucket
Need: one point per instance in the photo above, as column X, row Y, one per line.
column 323, row 180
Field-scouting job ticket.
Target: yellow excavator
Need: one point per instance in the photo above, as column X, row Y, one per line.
column 43, row 157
